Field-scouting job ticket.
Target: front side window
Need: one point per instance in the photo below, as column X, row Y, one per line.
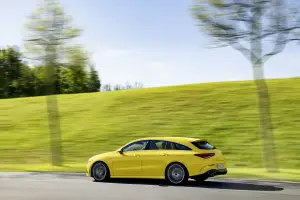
column 136, row 146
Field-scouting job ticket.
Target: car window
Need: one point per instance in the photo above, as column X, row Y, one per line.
column 176, row 146
column 203, row 145
column 136, row 146
column 156, row 145
column 181, row 147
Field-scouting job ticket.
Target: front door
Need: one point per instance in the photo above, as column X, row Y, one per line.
column 129, row 164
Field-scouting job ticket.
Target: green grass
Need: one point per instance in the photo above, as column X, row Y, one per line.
column 224, row 113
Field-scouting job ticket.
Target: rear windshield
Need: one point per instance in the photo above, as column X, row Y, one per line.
column 203, row 145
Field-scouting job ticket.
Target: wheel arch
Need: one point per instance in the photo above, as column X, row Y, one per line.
column 177, row 162
column 99, row 161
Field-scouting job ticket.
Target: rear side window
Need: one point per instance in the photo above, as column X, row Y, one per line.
column 176, row 146
column 203, row 145
column 181, row 147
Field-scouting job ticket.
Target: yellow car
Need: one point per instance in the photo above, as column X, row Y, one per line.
column 175, row 159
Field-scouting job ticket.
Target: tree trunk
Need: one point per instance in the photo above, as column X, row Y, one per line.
column 54, row 128
column 269, row 155
column 53, row 115
column 269, row 158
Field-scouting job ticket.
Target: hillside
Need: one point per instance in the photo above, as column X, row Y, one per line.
column 224, row 113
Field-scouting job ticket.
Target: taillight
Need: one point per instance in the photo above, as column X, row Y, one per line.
column 205, row 155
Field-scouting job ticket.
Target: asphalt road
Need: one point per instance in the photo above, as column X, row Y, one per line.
column 35, row 186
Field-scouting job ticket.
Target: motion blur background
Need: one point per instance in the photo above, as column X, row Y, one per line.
column 74, row 88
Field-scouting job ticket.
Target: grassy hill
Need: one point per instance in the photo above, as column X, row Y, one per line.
column 224, row 113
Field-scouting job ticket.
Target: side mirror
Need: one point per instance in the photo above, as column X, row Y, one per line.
column 121, row 151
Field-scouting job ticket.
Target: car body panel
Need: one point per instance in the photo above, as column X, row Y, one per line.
column 126, row 165
column 153, row 163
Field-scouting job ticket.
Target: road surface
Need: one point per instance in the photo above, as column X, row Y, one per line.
column 36, row 186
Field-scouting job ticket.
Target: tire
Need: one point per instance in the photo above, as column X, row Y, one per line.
column 100, row 172
column 176, row 174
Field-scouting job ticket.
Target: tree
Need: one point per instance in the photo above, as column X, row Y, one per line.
column 78, row 61
column 3, row 78
column 118, row 87
column 246, row 26
column 128, row 86
column 17, row 79
column 138, row 85
column 107, row 88
column 94, row 80
column 26, row 82
column 66, row 81
column 10, row 64
column 39, row 80
column 50, row 31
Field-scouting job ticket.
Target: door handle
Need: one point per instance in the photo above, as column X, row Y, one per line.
column 136, row 155
column 163, row 154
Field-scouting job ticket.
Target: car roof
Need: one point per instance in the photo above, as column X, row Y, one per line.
column 173, row 139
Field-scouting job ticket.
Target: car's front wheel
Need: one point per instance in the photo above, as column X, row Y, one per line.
column 100, row 172
column 176, row 174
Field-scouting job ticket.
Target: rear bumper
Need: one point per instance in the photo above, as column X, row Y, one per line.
column 216, row 172
column 212, row 173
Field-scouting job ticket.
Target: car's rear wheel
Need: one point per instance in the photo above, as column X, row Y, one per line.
column 176, row 174
column 100, row 172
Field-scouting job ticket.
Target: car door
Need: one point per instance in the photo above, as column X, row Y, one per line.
column 178, row 152
column 154, row 159
column 129, row 164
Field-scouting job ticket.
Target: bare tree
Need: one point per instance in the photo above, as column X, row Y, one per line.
column 128, row 86
column 138, row 84
column 249, row 26
column 106, row 88
column 118, row 87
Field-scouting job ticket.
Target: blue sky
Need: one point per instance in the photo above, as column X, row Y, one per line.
column 154, row 42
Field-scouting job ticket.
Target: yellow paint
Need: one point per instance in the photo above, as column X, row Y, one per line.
column 153, row 163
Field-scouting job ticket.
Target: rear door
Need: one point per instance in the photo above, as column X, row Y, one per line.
column 179, row 152
column 154, row 159
column 175, row 152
